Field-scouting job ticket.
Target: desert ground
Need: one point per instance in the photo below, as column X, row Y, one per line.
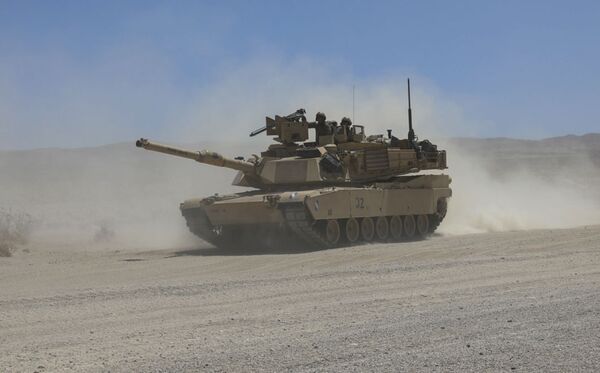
column 510, row 301
column 108, row 279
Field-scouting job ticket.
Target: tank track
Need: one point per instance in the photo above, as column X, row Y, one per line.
column 304, row 228
column 198, row 224
column 436, row 219
column 234, row 238
column 297, row 223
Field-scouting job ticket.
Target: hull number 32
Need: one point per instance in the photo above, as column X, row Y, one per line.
column 359, row 203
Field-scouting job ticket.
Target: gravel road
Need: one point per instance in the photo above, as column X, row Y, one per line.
column 512, row 301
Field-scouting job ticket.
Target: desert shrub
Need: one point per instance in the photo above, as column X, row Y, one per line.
column 15, row 229
column 5, row 250
column 104, row 233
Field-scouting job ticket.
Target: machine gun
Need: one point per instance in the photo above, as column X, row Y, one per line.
column 288, row 129
column 297, row 116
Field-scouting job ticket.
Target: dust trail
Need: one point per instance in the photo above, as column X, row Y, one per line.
column 115, row 196
column 497, row 188
column 121, row 197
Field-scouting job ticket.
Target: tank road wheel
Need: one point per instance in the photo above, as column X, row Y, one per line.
column 410, row 226
column 352, row 230
column 382, row 228
column 367, row 229
column 396, row 228
column 332, row 232
column 422, row 225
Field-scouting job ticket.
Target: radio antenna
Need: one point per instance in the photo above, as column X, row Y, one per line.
column 411, row 132
column 353, row 117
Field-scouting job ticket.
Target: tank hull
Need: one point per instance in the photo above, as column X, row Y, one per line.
column 405, row 208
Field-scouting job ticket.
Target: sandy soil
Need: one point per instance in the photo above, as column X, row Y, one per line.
column 512, row 301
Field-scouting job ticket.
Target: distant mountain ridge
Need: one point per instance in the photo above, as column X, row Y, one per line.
column 587, row 146
column 589, row 140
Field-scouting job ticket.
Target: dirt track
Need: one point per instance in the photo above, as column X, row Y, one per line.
column 499, row 302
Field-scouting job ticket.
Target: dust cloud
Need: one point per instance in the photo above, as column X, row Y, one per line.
column 503, row 185
column 114, row 196
column 121, row 197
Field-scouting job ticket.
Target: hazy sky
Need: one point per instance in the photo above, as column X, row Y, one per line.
column 79, row 73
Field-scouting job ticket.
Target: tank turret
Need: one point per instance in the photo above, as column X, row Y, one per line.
column 339, row 155
column 307, row 164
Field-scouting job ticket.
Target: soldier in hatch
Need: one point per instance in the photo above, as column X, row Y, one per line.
column 323, row 127
column 346, row 122
column 342, row 133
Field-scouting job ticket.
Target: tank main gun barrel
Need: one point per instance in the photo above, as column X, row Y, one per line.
column 202, row 156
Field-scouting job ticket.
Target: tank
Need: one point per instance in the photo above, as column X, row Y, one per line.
column 339, row 188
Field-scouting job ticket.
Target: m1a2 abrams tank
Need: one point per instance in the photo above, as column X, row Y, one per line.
column 342, row 188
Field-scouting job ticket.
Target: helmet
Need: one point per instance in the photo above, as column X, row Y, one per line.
column 320, row 117
column 346, row 121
